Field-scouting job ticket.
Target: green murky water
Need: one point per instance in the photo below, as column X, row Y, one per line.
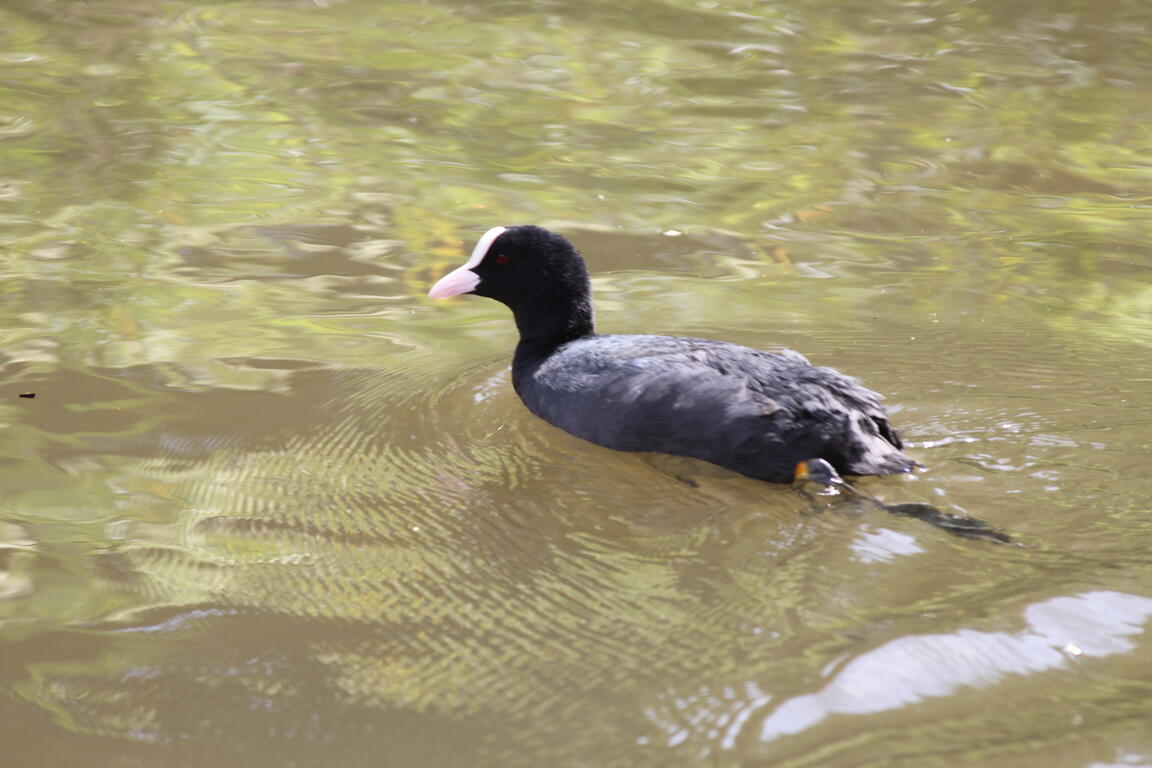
column 272, row 507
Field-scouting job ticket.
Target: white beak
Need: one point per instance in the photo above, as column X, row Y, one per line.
column 458, row 281
column 463, row 279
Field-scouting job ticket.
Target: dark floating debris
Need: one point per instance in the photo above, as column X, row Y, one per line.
column 28, row 395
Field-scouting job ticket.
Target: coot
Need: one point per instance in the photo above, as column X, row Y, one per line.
column 757, row 413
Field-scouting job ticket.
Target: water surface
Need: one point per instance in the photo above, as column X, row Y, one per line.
column 270, row 506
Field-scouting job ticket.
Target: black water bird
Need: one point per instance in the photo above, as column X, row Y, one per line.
column 755, row 412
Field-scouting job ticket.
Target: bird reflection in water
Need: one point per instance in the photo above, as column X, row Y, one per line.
column 817, row 478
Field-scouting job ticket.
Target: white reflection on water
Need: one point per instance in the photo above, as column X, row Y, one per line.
column 884, row 546
column 910, row 669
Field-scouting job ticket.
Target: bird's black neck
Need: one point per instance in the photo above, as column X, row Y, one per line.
column 547, row 324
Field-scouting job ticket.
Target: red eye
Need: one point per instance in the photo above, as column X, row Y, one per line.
column 503, row 259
